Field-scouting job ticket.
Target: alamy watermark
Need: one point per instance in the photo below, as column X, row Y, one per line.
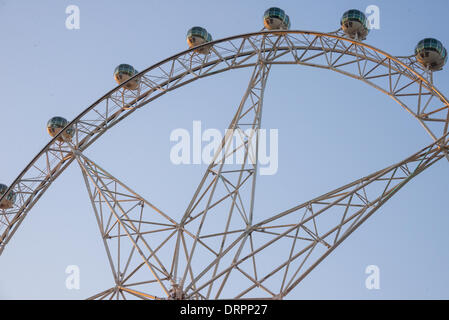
column 372, row 282
column 372, row 13
column 205, row 147
column 72, row 282
column 72, row 22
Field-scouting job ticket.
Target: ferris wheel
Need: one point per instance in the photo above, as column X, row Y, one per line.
column 220, row 248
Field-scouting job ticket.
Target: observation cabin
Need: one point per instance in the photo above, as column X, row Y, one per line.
column 124, row 72
column 354, row 24
column 9, row 200
column 431, row 54
column 56, row 124
column 276, row 19
column 197, row 36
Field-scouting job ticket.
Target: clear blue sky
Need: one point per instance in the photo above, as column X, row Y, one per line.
column 332, row 130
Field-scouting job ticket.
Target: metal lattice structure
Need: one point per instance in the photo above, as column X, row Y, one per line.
column 152, row 256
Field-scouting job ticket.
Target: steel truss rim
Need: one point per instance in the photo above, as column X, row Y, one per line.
column 143, row 72
column 156, row 65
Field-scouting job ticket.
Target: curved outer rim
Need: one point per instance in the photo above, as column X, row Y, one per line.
column 21, row 214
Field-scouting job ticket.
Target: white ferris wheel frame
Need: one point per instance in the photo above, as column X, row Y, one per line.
column 120, row 211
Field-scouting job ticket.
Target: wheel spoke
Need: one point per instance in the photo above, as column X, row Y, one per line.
column 121, row 213
column 226, row 186
column 301, row 237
